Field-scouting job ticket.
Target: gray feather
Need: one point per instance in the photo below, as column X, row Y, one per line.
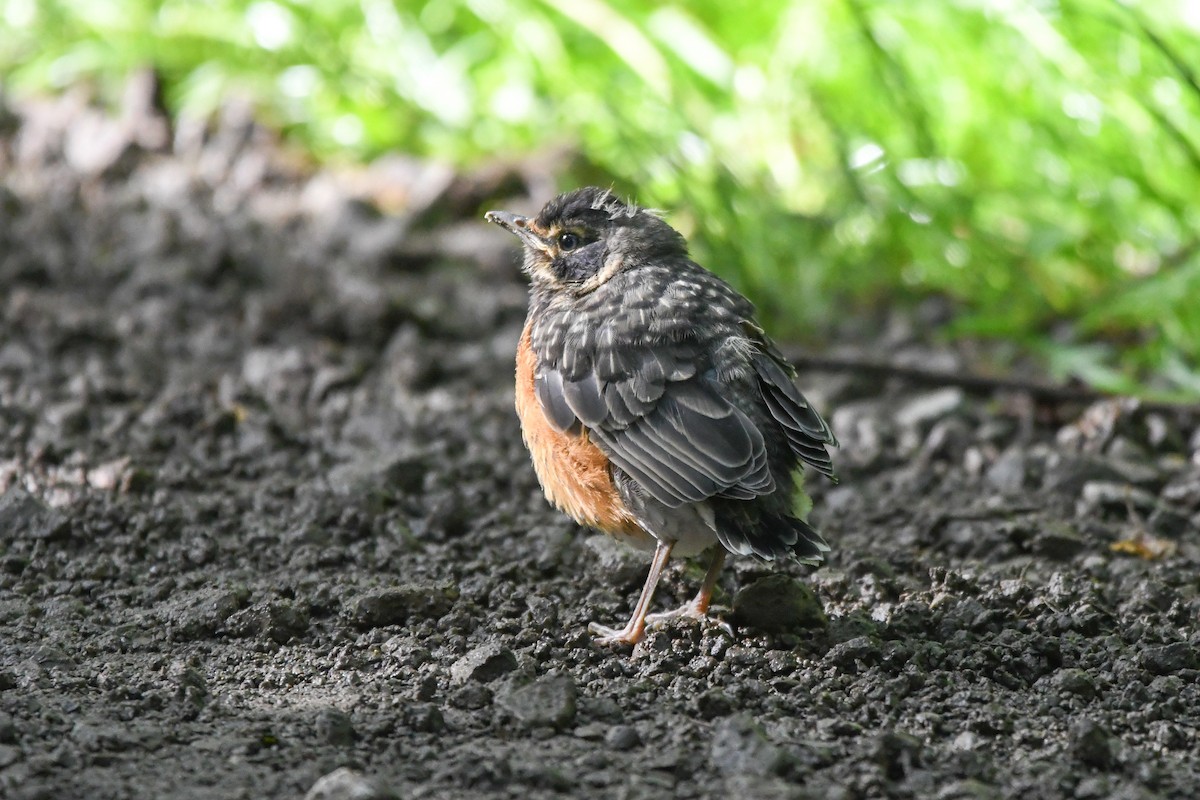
column 548, row 386
column 585, row 398
column 640, row 406
column 806, row 432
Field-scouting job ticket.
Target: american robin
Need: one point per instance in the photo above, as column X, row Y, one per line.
column 655, row 408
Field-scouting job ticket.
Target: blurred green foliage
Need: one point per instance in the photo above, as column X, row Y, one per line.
column 1037, row 161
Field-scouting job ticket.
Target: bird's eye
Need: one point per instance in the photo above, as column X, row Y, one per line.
column 568, row 241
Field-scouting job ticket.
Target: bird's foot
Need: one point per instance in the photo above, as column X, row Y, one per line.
column 605, row 636
column 692, row 611
column 687, row 610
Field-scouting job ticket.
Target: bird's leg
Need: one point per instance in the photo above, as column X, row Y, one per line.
column 633, row 630
column 698, row 607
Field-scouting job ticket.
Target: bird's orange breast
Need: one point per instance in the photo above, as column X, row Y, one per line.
column 574, row 473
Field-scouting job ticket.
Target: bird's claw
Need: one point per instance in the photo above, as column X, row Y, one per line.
column 689, row 611
column 606, row 636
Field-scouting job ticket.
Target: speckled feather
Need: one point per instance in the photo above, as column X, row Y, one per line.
column 664, row 368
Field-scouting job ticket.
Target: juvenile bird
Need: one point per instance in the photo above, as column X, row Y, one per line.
column 654, row 406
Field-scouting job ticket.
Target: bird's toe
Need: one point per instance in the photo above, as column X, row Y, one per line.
column 606, row 636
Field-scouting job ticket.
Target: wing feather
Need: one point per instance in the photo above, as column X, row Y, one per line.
column 807, row 433
column 661, row 415
column 548, row 386
column 663, row 484
column 586, row 399
column 691, row 445
column 637, row 406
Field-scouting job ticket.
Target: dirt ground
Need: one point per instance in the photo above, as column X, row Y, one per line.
column 267, row 529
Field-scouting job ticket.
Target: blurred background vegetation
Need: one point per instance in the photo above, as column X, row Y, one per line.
column 1036, row 162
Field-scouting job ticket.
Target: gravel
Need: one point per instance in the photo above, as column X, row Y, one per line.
column 267, row 527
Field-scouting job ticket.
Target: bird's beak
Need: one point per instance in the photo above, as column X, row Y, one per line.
column 516, row 224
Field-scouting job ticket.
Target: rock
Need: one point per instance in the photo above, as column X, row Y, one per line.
column 1059, row 543
column 483, row 664
column 970, row 789
column 1168, row 523
column 948, row 440
column 374, row 473
column 621, row 565
column 864, row 430
column 541, row 613
column 1072, row 473
column 95, row 735
column 848, row 655
column 767, row 787
column 53, row 657
column 896, row 753
column 1097, row 425
column 1068, row 474
column 190, row 686
column 714, row 703
column 1143, row 473
column 925, row 409
column 1097, row 787
column 96, row 144
column 1008, row 473
column 1106, row 496
column 334, row 726
column 622, row 737
column 965, row 741
column 198, row 614
column 63, row 420
column 1169, row 658
column 278, row 621
column 1076, row 682
column 778, row 604
column 471, row 697
column 740, row 747
column 424, row 717
column 1150, row 595
column 396, row 605
column 18, row 512
column 23, row 515
column 347, row 784
column 1184, row 491
column 1091, row 744
column 142, row 110
column 547, row 702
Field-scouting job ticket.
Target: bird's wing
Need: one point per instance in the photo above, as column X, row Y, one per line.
column 807, row 433
column 661, row 421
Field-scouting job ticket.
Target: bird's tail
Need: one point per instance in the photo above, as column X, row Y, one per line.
column 771, row 536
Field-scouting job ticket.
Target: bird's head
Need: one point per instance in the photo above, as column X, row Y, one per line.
column 581, row 239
